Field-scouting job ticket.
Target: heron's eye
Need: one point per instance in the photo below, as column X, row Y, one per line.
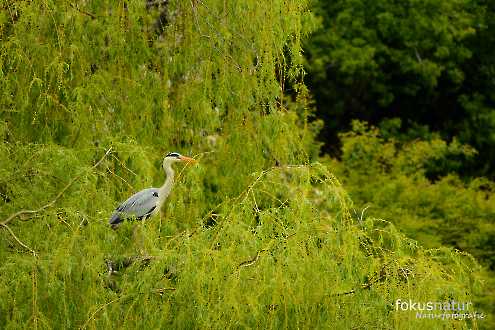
column 173, row 154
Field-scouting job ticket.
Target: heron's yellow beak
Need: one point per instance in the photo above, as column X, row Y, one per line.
column 188, row 159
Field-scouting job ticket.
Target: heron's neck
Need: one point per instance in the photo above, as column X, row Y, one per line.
column 167, row 186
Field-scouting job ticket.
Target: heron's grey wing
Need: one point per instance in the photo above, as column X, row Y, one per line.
column 139, row 205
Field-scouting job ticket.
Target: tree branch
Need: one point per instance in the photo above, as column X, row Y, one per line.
column 76, row 7
column 363, row 286
column 251, row 261
column 18, row 240
column 22, row 212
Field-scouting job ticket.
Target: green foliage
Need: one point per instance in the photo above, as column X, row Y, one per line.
column 246, row 239
column 390, row 177
column 280, row 254
column 425, row 39
column 388, row 155
column 428, row 62
column 82, row 82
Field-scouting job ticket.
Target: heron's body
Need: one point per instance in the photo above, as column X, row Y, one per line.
column 141, row 205
column 148, row 202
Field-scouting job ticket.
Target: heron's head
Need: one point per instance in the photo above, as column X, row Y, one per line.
column 174, row 157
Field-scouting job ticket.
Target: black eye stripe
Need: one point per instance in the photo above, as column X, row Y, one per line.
column 173, row 154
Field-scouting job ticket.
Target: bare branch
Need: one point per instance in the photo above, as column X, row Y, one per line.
column 251, row 261
column 18, row 240
column 85, row 325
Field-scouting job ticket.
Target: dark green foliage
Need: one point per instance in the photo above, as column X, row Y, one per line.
column 430, row 63
column 246, row 239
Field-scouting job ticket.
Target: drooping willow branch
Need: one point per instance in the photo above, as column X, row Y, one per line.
column 375, row 278
column 363, row 286
column 49, row 204
column 71, row 182
column 76, row 7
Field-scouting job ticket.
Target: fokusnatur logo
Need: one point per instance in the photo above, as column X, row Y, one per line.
column 442, row 310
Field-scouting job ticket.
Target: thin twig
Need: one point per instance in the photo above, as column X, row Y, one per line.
column 99, row 309
column 121, row 178
column 366, row 285
column 76, row 7
column 251, row 261
column 123, row 165
column 161, row 291
column 362, row 287
column 362, row 213
column 35, row 296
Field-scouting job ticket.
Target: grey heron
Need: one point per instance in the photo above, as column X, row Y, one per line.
column 148, row 202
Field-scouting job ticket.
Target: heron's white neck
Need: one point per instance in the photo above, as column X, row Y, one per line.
column 167, row 186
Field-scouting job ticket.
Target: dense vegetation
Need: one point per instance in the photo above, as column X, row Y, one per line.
column 430, row 63
column 258, row 234
column 422, row 72
column 390, row 181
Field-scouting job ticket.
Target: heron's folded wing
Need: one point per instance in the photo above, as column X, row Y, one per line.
column 139, row 205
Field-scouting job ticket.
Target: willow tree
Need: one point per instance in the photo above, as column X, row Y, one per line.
column 249, row 238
